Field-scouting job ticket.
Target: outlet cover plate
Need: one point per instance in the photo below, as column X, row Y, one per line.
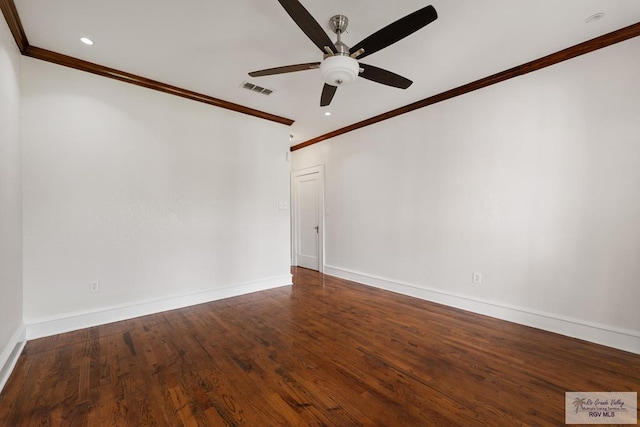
column 476, row 278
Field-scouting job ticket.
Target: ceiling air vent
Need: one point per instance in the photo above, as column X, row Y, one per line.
column 256, row 88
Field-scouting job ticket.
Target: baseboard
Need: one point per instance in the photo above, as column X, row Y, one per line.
column 68, row 322
column 11, row 353
column 627, row 340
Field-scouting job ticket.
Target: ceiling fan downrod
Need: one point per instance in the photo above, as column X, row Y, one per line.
column 339, row 24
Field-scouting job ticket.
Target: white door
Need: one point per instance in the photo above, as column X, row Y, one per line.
column 308, row 219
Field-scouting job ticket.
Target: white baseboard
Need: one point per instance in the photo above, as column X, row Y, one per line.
column 44, row 327
column 628, row 340
column 11, row 353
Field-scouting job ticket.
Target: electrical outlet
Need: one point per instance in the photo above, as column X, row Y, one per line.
column 476, row 278
column 94, row 286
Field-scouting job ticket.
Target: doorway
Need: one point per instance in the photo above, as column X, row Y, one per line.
column 308, row 219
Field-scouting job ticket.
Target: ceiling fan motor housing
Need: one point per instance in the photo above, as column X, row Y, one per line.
column 339, row 70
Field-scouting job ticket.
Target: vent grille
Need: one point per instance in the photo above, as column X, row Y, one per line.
column 256, row 88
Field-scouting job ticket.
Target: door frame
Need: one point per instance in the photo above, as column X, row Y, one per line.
column 294, row 214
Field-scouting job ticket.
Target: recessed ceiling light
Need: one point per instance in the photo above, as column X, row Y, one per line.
column 327, row 113
column 86, row 40
column 595, row 17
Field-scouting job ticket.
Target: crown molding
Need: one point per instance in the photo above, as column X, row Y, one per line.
column 609, row 39
column 13, row 20
column 10, row 13
column 90, row 67
column 15, row 25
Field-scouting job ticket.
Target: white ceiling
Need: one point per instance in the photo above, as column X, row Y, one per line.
column 209, row 46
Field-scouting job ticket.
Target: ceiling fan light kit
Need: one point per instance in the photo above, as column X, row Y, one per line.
column 339, row 70
column 339, row 65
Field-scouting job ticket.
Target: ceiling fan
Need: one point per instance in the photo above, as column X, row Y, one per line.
column 339, row 65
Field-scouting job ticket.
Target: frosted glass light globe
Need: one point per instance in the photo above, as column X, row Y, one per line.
column 339, row 70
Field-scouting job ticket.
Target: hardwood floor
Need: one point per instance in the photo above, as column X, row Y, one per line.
column 323, row 352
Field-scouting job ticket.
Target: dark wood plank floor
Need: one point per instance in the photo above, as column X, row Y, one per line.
column 323, row 352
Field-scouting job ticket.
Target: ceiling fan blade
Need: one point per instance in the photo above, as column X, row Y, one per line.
column 384, row 77
column 327, row 94
column 285, row 69
column 396, row 31
column 308, row 24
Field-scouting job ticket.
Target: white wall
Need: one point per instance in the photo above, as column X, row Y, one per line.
column 10, row 200
column 534, row 182
column 164, row 201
